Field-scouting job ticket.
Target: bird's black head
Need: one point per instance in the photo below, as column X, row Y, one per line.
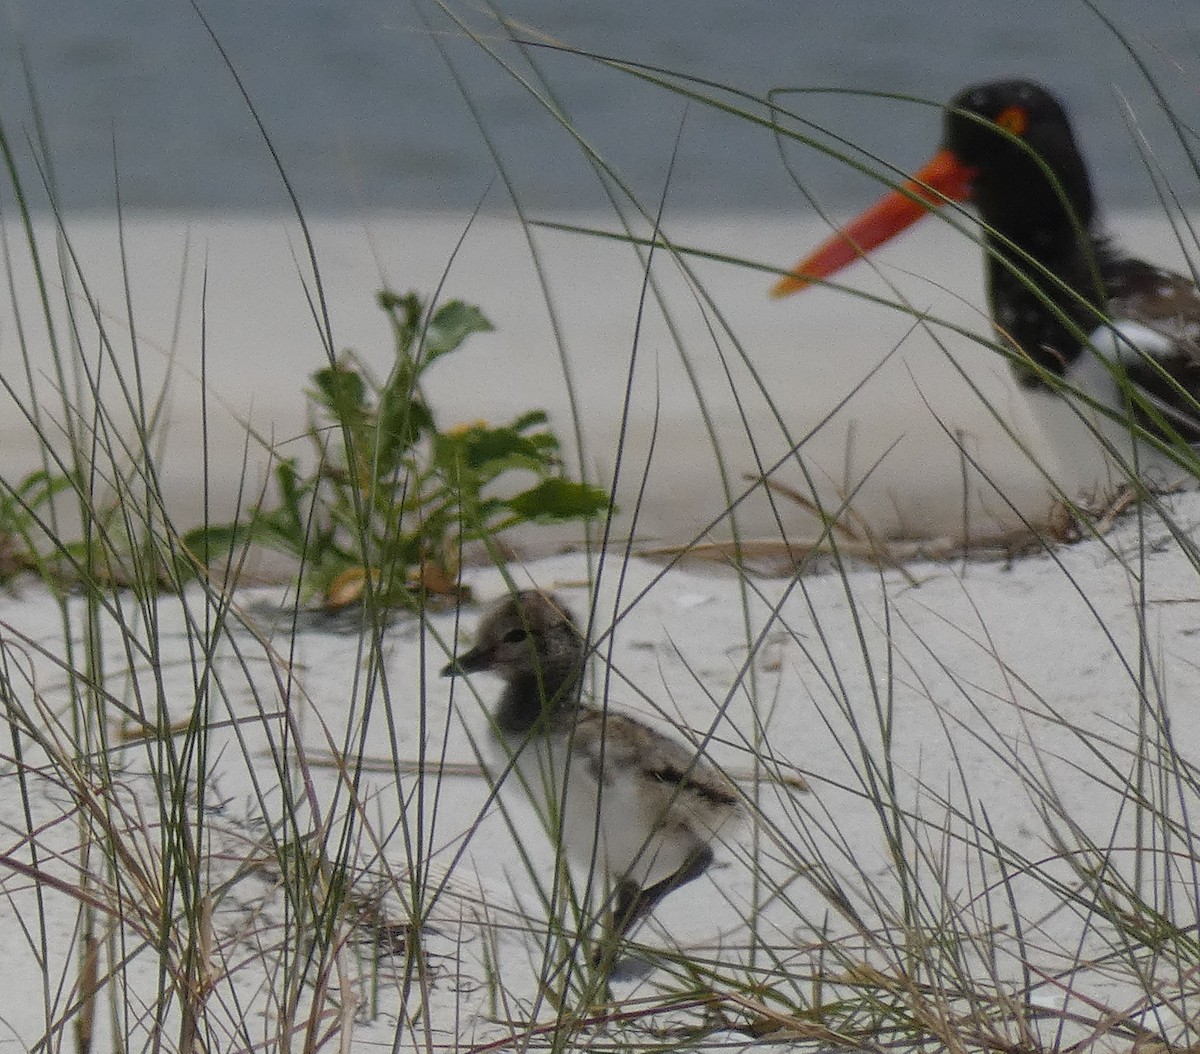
column 1018, row 138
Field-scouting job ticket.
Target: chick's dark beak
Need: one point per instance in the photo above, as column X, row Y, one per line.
column 467, row 662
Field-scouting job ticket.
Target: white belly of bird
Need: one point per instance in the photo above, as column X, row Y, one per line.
column 624, row 826
column 1075, row 434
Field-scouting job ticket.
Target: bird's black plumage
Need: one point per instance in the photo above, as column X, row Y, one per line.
column 1059, row 288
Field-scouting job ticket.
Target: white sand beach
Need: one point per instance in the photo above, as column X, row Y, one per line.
column 807, row 354
column 1011, row 692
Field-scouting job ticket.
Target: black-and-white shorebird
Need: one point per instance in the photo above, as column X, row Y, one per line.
column 638, row 807
column 1062, row 295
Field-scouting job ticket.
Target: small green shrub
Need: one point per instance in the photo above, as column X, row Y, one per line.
column 24, row 543
column 393, row 497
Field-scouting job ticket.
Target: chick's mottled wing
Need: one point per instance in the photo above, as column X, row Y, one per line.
column 614, row 743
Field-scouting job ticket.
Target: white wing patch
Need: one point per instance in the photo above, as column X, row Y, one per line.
column 1127, row 341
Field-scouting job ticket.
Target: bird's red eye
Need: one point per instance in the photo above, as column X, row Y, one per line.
column 1014, row 119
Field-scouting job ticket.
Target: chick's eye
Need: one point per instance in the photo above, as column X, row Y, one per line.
column 515, row 636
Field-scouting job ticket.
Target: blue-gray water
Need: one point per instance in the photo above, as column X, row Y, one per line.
column 365, row 114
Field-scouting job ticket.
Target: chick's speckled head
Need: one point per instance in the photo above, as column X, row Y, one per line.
column 523, row 634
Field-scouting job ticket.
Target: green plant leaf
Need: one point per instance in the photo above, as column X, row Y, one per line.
column 450, row 326
column 559, row 499
column 217, row 540
column 40, row 486
column 293, row 512
column 403, row 417
column 528, row 419
column 405, row 310
column 342, row 390
column 473, row 449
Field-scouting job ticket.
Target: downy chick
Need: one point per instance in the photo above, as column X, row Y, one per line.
column 658, row 805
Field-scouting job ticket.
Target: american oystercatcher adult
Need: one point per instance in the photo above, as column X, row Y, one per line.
column 1063, row 297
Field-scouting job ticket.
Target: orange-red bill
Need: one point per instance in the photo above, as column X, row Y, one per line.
column 944, row 178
